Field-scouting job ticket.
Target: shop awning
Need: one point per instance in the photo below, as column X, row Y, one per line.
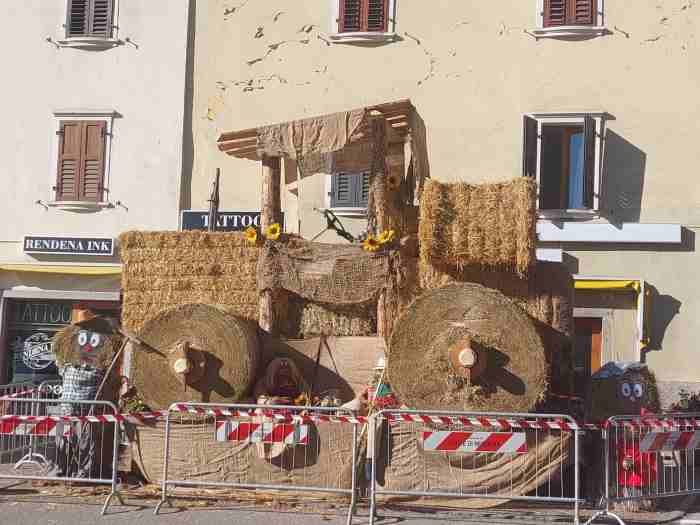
column 621, row 285
column 607, row 284
column 63, row 270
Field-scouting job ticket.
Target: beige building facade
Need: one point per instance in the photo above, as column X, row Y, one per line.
column 612, row 100
column 94, row 111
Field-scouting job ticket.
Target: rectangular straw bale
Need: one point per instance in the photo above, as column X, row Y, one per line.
column 486, row 225
column 162, row 270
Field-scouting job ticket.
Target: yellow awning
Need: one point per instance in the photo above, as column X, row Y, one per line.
column 64, row 270
column 611, row 284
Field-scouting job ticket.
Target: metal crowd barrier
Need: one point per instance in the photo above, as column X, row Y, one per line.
column 648, row 458
column 305, row 432
column 60, row 441
column 462, row 440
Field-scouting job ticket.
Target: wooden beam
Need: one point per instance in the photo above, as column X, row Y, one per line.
column 270, row 213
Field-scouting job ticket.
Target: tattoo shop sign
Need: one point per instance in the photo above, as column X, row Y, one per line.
column 226, row 221
column 69, row 245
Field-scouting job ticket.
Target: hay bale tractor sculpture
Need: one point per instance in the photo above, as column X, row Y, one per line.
column 472, row 321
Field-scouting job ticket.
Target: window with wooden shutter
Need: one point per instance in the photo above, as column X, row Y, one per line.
column 569, row 13
column 81, row 161
column 350, row 190
column 90, row 18
column 371, row 16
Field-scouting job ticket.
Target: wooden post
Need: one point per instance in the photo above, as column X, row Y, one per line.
column 270, row 213
column 379, row 210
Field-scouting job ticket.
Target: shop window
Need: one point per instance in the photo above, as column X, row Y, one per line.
column 90, row 19
column 562, row 152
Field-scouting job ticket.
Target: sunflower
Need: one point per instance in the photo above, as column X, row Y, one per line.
column 386, row 236
column 273, row 232
column 393, row 182
column 370, row 244
column 251, row 235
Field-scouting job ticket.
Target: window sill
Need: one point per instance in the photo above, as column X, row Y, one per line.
column 569, row 31
column 79, row 205
column 89, row 43
column 568, row 214
column 357, row 213
column 362, row 38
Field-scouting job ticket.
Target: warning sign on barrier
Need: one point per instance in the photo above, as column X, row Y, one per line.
column 484, row 442
column 668, row 441
column 265, row 432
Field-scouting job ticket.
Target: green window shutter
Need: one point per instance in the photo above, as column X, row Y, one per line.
column 349, row 190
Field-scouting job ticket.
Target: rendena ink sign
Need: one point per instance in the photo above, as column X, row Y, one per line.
column 69, row 245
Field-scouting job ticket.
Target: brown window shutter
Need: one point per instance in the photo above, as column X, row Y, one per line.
column 78, row 18
column 589, row 141
column 581, row 12
column 378, row 16
column 350, row 16
column 554, row 13
column 93, row 162
column 101, row 18
column 529, row 147
column 69, row 149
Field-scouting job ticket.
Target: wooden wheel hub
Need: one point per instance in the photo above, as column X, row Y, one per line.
column 186, row 362
column 467, row 362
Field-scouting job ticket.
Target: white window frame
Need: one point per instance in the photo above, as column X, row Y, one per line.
column 59, row 117
column 597, row 29
column 361, row 37
column 573, row 119
column 85, row 42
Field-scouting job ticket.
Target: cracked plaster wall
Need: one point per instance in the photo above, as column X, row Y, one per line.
column 472, row 69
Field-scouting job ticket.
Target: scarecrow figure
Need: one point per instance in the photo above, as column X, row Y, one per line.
column 85, row 354
column 629, row 389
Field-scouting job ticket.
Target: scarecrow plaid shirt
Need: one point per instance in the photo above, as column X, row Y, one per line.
column 80, row 383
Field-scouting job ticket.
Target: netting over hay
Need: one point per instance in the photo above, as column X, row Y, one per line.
column 324, row 273
column 486, row 225
column 162, row 270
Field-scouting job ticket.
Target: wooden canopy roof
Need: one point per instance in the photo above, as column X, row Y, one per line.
column 243, row 144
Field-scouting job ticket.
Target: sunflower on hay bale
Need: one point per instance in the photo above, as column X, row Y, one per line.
column 384, row 239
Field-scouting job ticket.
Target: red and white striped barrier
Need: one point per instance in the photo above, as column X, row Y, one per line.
column 41, row 428
column 490, row 442
column 493, row 423
column 21, row 393
column 657, row 423
column 247, row 432
column 668, row 441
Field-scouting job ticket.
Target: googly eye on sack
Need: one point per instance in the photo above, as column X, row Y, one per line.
column 82, row 338
column 95, row 340
column 626, row 390
column 638, row 390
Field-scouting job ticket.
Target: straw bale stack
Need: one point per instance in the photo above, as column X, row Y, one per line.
column 162, row 270
column 487, row 225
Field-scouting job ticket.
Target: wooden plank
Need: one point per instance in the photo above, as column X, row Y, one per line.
column 355, row 359
column 270, row 213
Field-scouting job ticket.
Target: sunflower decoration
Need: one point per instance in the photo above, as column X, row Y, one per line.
column 393, row 182
column 370, row 244
column 386, row 237
column 273, row 232
column 251, row 235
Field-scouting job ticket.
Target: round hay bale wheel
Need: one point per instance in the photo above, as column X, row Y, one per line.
column 202, row 354
column 467, row 347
